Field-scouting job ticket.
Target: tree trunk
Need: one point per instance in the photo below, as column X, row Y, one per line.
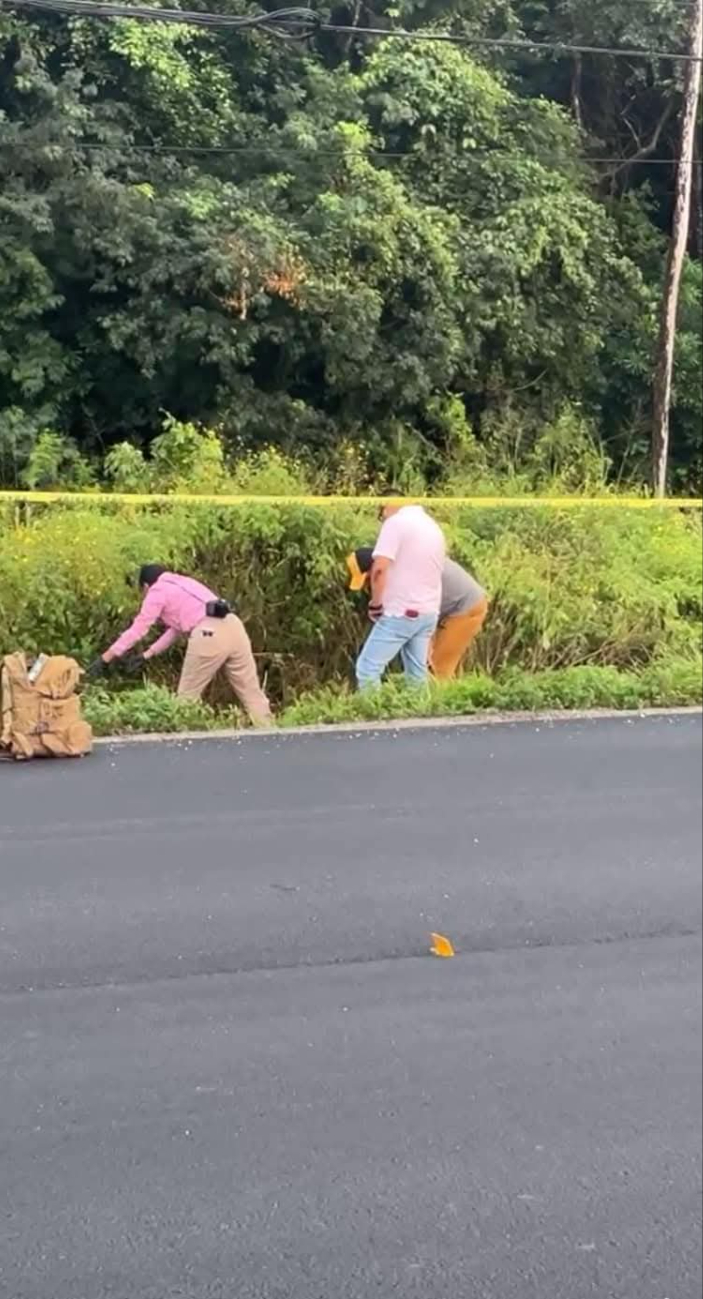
column 576, row 86
column 697, row 204
column 675, row 257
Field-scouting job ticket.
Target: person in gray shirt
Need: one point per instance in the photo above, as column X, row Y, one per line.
column 462, row 613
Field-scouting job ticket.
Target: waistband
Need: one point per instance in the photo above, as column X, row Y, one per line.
column 210, row 622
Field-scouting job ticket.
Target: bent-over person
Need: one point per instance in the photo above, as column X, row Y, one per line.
column 217, row 639
column 462, row 613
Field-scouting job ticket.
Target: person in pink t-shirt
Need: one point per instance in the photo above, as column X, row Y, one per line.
column 406, row 591
column 217, row 638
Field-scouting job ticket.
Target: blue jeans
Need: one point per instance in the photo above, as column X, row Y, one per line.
column 409, row 637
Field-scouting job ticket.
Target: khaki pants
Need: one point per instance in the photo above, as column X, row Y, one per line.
column 453, row 638
column 223, row 643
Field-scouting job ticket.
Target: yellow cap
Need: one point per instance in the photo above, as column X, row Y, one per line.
column 357, row 579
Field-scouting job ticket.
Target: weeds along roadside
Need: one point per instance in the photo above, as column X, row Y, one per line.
column 584, row 589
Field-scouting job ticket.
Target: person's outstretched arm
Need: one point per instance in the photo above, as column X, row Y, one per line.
column 162, row 644
column 149, row 613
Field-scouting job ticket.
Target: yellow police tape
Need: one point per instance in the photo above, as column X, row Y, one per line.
column 477, row 502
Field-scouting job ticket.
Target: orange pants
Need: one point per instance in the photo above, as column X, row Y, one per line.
column 223, row 643
column 453, row 638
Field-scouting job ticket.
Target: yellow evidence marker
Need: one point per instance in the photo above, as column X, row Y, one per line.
column 441, row 946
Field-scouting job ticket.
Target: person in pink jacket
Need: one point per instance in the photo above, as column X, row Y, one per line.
column 217, row 638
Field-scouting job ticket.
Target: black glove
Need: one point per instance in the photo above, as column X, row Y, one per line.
column 97, row 668
column 134, row 664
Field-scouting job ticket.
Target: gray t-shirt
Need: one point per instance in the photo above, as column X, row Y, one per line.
column 460, row 591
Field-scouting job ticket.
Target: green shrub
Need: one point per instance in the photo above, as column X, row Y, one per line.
column 269, row 473
column 673, row 684
column 584, row 587
column 150, row 710
column 55, row 460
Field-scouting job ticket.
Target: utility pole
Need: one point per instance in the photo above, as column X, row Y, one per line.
column 676, row 254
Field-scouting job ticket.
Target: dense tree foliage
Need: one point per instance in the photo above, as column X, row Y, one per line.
column 430, row 251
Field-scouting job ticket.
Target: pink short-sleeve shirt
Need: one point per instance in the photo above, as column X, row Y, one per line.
column 415, row 544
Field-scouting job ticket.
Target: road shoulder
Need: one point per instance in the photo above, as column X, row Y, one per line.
column 487, row 718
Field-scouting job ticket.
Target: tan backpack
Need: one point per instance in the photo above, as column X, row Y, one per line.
column 41, row 713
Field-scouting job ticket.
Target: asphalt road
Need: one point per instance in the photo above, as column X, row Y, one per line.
column 230, row 1069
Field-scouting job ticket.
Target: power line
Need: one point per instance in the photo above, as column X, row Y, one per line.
column 486, row 42
column 301, row 23
column 279, row 22
column 261, row 150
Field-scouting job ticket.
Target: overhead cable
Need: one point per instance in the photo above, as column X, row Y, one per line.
column 301, row 23
column 262, row 150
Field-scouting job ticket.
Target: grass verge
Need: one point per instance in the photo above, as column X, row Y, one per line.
column 669, row 683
